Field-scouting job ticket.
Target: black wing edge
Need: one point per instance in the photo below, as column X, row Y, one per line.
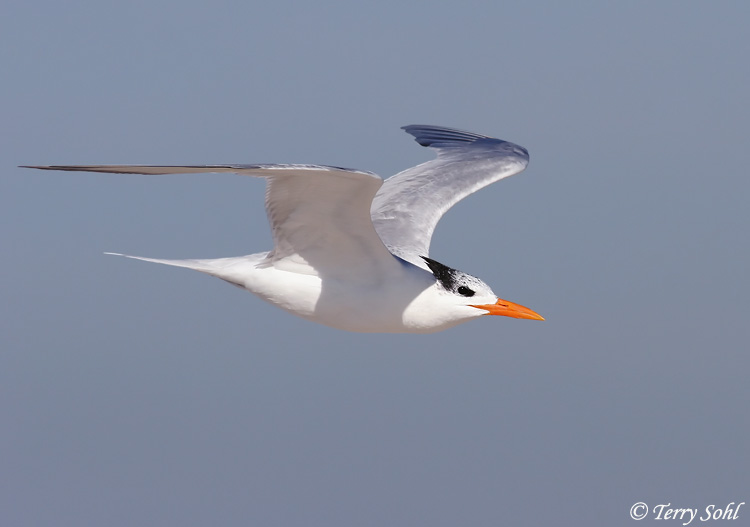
column 438, row 136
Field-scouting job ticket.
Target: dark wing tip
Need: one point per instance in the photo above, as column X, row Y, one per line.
column 55, row 167
column 438, row 136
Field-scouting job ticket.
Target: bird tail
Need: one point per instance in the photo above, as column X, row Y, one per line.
column 197, row 265
column 228, row 269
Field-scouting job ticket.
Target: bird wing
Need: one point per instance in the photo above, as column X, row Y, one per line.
column 319, row 215
column 409, row 205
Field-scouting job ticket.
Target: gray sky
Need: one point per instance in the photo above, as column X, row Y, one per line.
column 136, row 394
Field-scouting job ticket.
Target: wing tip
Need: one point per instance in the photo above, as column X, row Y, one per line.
column 73, row 168
column 441, row 137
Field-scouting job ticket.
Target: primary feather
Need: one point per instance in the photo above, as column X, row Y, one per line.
column 409, row 205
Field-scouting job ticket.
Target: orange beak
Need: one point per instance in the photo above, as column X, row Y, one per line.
column 509, row 309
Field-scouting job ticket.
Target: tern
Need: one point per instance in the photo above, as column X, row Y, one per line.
column 351, row 251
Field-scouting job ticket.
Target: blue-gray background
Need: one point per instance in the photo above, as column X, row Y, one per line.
column 136, row 394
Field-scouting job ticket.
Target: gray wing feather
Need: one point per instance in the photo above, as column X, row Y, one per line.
column 319, row 215
column 409, row 205
column 252, row 170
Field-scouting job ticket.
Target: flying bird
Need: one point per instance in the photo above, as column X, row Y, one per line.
column 351, row 251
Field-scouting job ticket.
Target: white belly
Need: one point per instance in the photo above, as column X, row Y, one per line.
column 373, row 307
column 404, row 300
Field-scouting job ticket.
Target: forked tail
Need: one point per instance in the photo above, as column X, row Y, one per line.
column 229, row 269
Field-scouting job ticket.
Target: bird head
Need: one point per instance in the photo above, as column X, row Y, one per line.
column 465, row 290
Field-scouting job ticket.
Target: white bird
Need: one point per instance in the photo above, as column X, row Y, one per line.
column 351, row 251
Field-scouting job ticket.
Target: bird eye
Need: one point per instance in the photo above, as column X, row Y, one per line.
column 465, row 291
